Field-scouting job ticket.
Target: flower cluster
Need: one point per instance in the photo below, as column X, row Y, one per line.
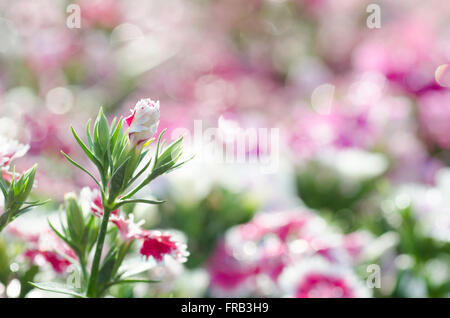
column 158, row 244
column 290, row 253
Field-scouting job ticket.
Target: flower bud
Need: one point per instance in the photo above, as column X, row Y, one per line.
column 143, row 121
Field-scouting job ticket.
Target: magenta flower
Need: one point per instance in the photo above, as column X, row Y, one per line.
column 158, row 245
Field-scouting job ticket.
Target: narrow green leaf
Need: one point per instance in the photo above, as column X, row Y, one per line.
column 28, row 276
column 75, row 219
column 80, row 167
column 117, row 180
column 113, row 125
column 115, row 133
column 86, row 150
column 120, row 203
column 57, row 288
column 133, row 281
column 88, row 134
column 158, row 145
column 134, row 266
column 138, row 174
column 29, row 207
column 2, row 187
column 103, row 130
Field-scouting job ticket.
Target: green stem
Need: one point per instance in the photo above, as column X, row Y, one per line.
column 91, row 292
column 83, row 267
column 121, row 256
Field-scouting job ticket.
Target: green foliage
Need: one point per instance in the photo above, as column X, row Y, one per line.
column 206, row 220
column 163, row 163
column 322, row 188
column 79, row 231
column 4, row 263
column 338, row 199
column 16, row 193
column 422, row 250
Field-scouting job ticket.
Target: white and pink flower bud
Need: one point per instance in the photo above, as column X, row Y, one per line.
column 143, row 121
